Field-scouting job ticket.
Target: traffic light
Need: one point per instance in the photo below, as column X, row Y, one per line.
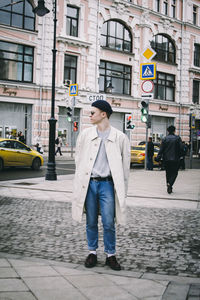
column 69, row 114
column 144, row 111
column 75, row 126
column 128, row 122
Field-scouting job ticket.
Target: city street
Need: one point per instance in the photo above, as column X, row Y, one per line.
column 160, row 240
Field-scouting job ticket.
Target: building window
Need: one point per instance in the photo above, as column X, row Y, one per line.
column 115, row 78
column 72, row 20
column 197, row 55
column 165, row 6
column 17, row 14
column 195, row 9
column 16, row 62
column 173, row 8
column 195, row 95
column 157, row 4
column 116, row 36
column 70, row 68
column 164, row 87
column 164, row 48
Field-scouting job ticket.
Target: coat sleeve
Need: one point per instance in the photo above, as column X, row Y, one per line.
column 126, row 160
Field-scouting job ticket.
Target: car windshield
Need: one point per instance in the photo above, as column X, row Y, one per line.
column 138, row 148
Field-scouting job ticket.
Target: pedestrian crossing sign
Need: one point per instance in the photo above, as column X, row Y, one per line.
column 73, row 89
column 147, row 71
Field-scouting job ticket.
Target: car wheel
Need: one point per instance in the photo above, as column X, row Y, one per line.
column 1, row 164
column 36, row 164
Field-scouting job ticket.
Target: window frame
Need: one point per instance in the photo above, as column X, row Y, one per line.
column 197, row 55
column 164, row 52
column 23, row 62
column 165, row 85
column 116, row 38
column 109, row 78
column 194, row 14
column 11, row 11
column 157, row 5
column 70, row 68
column 196, row 91
column 173, row 8
column 165, row 7
column 71, row 19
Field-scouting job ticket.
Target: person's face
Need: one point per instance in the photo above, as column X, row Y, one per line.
column 96, row 115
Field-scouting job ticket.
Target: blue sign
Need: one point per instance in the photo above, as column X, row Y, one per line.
column 73, row 89
column 147, row 71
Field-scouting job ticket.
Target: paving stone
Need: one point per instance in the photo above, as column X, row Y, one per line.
column 9, row 285
column 155, row 240
column 17, row 296
column 8, row 273
column 38, row 271
column 61, row 294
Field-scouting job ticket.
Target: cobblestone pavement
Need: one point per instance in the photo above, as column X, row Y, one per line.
column 155, row 240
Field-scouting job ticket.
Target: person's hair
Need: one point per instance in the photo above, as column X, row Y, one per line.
column 150, row 138
column 171, row 129
column 108, row 114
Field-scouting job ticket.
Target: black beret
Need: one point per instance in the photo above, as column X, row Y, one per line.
column 103, row 105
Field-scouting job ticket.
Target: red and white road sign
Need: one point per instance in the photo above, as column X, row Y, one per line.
column 147, row 86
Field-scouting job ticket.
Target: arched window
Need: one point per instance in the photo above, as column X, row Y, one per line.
column 17, row 14
column 116, row 36
column 164, row 48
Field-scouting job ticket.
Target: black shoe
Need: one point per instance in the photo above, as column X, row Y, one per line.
column 112, row 263
column 169, row 188
column 91, row 261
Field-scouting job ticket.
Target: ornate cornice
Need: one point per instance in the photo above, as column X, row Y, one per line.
column 73, row 41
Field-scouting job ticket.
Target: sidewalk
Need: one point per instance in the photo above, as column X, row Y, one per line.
column 23, row 278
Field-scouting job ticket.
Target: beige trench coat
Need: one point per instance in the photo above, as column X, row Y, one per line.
column 118, row 152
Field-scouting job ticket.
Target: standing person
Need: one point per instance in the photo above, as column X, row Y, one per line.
column 21, row 137
column 58, row 142
column 38, row 143
column 101, row 181
column 150, row 153
column 182, row 158
column 171, row 151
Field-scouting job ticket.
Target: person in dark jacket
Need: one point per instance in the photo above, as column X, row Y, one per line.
column 170, row 151
column 150, row 153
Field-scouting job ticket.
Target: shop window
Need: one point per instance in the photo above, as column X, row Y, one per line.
column 70, row 68
column 197, row 55
column 17, row 14
column 164, row 87
column 16, row 62
column 164, row 48
column 72, row 20
column 116, row 36
column 195, row 95
column 115, row 78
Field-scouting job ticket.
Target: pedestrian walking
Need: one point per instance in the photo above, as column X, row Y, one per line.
column 101, row 181
column 170, row 150
column 150, row 154
column 21, row 137
column 38, row 144
column 58, row 142
column 182, row 158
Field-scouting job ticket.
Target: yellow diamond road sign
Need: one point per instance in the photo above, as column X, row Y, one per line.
column 148, row 53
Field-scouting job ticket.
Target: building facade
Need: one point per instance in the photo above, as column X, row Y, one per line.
column 100, row 45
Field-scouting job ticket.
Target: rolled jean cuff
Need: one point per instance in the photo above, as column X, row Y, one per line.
column 110, row 252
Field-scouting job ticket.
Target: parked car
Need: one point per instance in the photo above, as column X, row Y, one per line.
column 16, row 154
column 138, row 155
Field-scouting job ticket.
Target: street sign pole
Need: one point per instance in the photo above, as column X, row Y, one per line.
column 72, row 122
column 146, row 144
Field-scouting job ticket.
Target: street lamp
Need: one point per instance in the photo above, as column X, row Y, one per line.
column 41, row 10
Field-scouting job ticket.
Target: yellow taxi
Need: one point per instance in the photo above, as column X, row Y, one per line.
column 138, row 155
column 14, row 153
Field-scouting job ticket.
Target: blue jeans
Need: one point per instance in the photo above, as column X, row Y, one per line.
column 149, row 163
column 100, row 195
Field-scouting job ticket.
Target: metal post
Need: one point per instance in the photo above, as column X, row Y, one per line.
column 51, row 166
column 146, row 145
column 191, row 148
column 72, row 132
